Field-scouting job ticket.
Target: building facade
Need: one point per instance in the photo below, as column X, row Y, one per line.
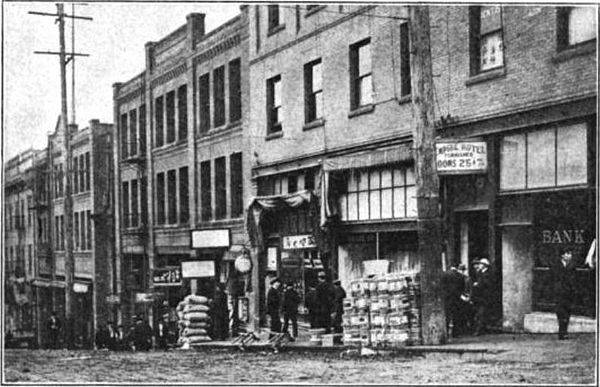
column 181, row 170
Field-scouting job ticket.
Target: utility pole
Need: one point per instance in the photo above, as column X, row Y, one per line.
column 68, row 200
column 429, row 221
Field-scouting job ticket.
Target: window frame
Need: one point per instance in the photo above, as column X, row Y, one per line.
column 205, row 191
column 405, row 77
column 204, row 116
column 124, row 124
column 272, row 109
column 310, row 95
column 184, row 201
column 172, row 209
column 562, row 30
column 171, row 135
column 476, row 38
column 356, row 78
column 219, row 116
column 236, row 182
column 133, row 151
column 273, row 18
column 159, row 135
column 235, row 90
column 220, row 188
column 160, row 199
column 182, row 113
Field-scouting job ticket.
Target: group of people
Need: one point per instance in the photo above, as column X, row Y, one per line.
column 467, row 302
column 138, row 338
column 324, row 303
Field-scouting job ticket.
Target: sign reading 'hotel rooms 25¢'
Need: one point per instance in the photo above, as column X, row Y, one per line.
column 461, row 157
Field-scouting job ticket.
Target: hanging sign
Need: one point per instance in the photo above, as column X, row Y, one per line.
column 461, row 157
column 243, row 264
column 203, row 239
column 168, row 276
column 197, row 269
column 293, row 242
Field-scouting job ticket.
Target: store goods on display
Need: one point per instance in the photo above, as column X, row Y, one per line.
column 193, row 313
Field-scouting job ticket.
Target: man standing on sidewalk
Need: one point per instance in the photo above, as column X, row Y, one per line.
column 273, row 305
column 482, row 290
column 563, row 275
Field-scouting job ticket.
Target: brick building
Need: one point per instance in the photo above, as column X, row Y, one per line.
column 180, row 162
column 330, row 128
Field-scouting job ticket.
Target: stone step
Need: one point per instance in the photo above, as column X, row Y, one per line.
column 542, row 322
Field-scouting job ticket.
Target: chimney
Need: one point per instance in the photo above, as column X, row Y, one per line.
column 149, row 46
column 72, row 128
column 195, row 28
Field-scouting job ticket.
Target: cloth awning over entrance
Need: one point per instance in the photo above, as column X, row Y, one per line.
column 260, row 204
column 369, row 158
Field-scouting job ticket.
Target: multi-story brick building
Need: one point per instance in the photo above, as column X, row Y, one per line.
column 180, row 159
column 91, row 180
column 331, row 98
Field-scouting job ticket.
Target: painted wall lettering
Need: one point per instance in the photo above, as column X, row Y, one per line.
column 562, row 236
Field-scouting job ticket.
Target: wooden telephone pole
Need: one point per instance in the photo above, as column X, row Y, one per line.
column 429, row 221
column 67, row 178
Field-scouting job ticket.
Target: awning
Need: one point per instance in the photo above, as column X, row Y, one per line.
column 369, row 158
column 260, row 204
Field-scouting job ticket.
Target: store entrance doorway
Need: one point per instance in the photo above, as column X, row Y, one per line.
column 472, row 238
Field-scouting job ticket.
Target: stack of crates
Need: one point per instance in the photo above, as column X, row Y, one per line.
column 383, row 311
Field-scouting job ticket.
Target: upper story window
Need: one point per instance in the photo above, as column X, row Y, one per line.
column 378, row 194
column 313, row 91
column 170, row 107
column 576, row 25
column 273, row 17
column 361, row 85
column 220, row 188
column 133, row 143
column 160, row 198
column 485, row 38
column 204, row 102
column 142, row 125
column 237, row 185
column 219, row 96
column 235, row 90
column 124, row 136
column 405, row 87
column 158, row 122
column 205, row 191
column 274, row 104
column 184, row 201
column 544, row 158
column 182, row 112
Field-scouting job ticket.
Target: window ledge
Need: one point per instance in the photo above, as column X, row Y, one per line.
column 314, row 10
column 275, row 29
column 314, row 124
column 170, row 146
column 361, row 110
column 486, row 76
column 405, row 99
column 575, row 51
column 274, row 135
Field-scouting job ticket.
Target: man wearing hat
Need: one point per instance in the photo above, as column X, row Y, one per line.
column 338, row 306
column 481, row 294
column 453, row 283
column 563, row 275
column 273, row 305
column 324, row 304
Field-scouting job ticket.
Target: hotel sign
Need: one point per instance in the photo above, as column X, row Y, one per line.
column 294, row 242
column 461, row 157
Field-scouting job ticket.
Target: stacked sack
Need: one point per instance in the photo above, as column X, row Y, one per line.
column 194, row 320
column 384, row 311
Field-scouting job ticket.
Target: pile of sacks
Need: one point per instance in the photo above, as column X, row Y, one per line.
column 194, row 320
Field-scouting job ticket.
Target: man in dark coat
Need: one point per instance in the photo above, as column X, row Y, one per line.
column 141, row 335
column 482, row 291
column 563, row 275
column 311, row 305
column 220, row 313
column 324, row 304
column 161, row 334
column 53, row 326
column 273, row 305
column 338, row 306
column 453, row 283
column 291, row 300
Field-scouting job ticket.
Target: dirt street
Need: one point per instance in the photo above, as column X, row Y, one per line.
column 515, row 359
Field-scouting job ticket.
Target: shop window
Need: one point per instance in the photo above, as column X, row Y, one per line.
column 219, row 96
column 274, row 104
column 124, row 136
column 575, row 25
column 313, row 91
column 160, row 198
column 220, row 189
column 133, row 132
column 378, row 194
column 235, row 90
column 142, row 129
column 485, row 38
column 172, row 196
column 158, row 122
column 205, row 191
column 405, row 87
column 545, row 158
column 204, row 101
column 134, row 221
column 170, row 108
column 184, row 202
column 361, row 85
column 237, row 185
column 182, row 112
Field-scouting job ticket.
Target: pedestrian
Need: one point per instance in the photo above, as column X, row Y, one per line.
column 141, row 335
column 311, row 306
column 53, row 326
column 291, row 300
column 102, row 338
column 161, row 334
column 563, row 276
column 324, row 303
column 338, row 306
column 220, row 313
column 453, row 284
column 466, row 310
column 273, row 305
column 481, row 294
column 122, row 339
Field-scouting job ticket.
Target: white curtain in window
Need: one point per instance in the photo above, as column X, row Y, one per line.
column 571, row 155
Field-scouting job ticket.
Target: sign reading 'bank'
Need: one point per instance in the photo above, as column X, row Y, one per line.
column 461, row 157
